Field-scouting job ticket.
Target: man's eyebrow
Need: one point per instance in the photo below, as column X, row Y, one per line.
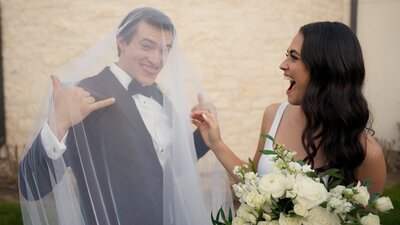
column 146, row 39
column 169, row 45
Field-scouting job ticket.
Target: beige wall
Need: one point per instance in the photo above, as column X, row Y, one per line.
column 234, row 45
column 379, row 32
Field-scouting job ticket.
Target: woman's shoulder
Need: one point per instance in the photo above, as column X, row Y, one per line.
column 373, row 167
column 269, row 114
column 271, row 110
column 372, row 147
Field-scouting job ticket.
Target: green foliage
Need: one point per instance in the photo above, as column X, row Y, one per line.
column 392, row 217
column 221, row 213
column 10, row 214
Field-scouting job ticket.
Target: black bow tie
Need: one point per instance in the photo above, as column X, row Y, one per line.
column 148, row 91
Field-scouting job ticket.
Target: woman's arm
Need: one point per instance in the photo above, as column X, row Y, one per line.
column 210, row 132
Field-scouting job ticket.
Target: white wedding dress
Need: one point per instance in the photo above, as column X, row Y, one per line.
column 265, row 164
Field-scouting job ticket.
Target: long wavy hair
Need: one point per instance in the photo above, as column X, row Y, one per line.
column 336, row 111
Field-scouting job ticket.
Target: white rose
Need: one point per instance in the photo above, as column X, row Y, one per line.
column 237, row 171
column 290, row 178
column 309, row 193
column 347, row 192
column 362, row 195
column 370, row 219
column 306, row 168
column 321, row 216
column 247, row 213
column 254, row 199
column 266, row 217
column 250, row 176
column 338, row 189
column 384, row 204
column 262, row 223
column 267, row 207
column 339, row 205
column 295, row 166
column 272, row 184
column 286, row 220
column 238, row 190
column 274, row 222
column 300, row 210
column 238, row 221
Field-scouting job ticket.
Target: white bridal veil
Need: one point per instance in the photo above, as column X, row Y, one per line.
column 112, row 169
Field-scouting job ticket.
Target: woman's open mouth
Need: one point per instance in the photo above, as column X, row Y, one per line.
column 292, row 82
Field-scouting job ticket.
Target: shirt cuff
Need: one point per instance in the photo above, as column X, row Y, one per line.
column 54, row 148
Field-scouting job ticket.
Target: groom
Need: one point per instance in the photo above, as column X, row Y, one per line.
column 125, row 104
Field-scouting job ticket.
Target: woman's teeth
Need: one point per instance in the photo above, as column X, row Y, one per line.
column 288, row 78
column 291, row 80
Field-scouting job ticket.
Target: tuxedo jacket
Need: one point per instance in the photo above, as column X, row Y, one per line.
column 116, row 143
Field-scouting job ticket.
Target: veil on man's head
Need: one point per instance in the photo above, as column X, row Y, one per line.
column 110, row 172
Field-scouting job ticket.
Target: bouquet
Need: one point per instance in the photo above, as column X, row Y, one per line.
column 293, row 193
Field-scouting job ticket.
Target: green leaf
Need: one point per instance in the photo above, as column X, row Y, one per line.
column 267, row 136
column 367, row 183
column 350, row 185
column 221, row 214
column 334, row 184
column 252, row 166
column 301, row 162
column 332, row 173
column 373, row 197
column 312, row 174
column 268, row 152
column 214, row 221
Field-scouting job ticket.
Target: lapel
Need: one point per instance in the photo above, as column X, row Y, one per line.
column 113, row 88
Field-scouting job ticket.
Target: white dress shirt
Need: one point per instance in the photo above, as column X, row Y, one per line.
column 152, row 113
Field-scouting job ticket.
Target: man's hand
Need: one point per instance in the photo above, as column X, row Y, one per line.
column 71, row 106
column 205, row 106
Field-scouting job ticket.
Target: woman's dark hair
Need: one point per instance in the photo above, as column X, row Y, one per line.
column 149, row 15
column 336, row 111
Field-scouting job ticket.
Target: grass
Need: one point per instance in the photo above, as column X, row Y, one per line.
column 10, row 214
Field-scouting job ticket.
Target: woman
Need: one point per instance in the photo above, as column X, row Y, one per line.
column 326, row 120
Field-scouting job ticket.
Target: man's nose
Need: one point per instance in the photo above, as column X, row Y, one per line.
column 156, row 58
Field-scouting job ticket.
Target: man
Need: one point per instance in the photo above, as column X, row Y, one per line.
column 122, row 139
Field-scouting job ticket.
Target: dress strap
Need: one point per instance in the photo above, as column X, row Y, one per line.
column 277, row 120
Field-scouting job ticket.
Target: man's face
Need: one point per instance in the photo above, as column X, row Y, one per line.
column 144, row 56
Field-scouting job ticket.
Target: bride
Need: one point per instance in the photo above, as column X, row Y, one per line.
column 327, row 119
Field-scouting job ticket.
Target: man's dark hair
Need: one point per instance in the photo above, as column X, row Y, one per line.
column 149, row 15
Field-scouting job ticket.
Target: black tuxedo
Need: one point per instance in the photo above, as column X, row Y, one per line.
column 118, row 147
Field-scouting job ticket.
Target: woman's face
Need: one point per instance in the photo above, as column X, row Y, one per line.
column 295, row 71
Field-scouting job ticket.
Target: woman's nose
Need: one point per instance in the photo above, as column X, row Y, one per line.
column 284, row 65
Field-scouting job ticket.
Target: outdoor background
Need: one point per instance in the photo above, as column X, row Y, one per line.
column 234, row 46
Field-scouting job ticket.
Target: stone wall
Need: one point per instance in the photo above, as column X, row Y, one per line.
column 235, row 46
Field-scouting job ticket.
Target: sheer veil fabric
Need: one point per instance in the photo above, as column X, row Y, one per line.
column 115, row 169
